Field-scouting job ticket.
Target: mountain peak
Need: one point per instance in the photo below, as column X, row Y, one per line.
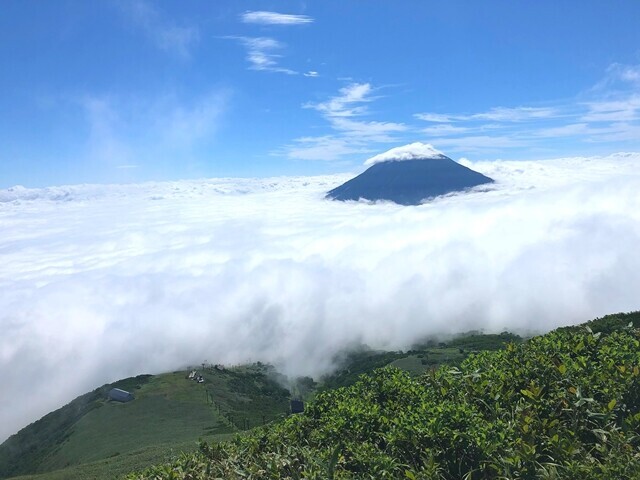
column 412, row 151
column 409, row 175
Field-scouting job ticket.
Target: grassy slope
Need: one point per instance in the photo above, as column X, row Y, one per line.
column 94, row 438
column 25, row 451
column 119, row 465
column 167, row 409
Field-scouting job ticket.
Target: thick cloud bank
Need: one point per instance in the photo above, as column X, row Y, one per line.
column 103, row 282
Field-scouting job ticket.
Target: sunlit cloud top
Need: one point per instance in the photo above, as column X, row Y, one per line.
column 412, row 151
column 100, row 282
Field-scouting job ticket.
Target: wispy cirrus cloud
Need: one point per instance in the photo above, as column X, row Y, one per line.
column 496, row 114
column 435, row 117
column 602, row 117
column 608, row 112
column 615, row 110
column 274, row 18
column 445, row 129
column 617, row 76
column 518, row 114
column 261, row 53
column 628, row 73
column 479, row 143
column 328, row 148
column 343, row 113
column 350, row 102
column 160, row 30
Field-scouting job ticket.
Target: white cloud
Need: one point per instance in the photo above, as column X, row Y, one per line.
column 434, row 117
column 518, row 114
column 184, row 123
column 608, row 112
column 103, row 282
column 412, row 151
column 368, row 131
column 104, row 144
column 619, row 77
column 496, row 114
column 273, row 18
column 568, row 130
column 261, row 54
column 479, row 143
column 619, row 110
column 324, row 148
column 445, row 129
column 311, row 73
column 629, row 73
column 178, row 40
column 353, row 136
column 348, row 103
column 599, row 133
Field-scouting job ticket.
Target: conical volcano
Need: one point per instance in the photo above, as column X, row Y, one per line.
column 409, row 175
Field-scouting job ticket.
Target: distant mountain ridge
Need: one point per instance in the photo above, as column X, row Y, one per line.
column 409, row 175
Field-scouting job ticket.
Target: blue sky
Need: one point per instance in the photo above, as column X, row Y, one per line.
column 122, row 91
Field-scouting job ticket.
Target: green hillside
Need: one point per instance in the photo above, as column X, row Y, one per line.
column 119, row 465
column 562, row 405
column 169, row 414
column 422, row 357
column 91, row 438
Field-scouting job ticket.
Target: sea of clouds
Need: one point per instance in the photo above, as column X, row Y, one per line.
column 103, row 282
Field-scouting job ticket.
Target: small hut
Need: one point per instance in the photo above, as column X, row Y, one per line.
column 297, row 406
column 119, row 395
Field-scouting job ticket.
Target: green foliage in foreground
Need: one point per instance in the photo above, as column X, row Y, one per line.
column 563, row 405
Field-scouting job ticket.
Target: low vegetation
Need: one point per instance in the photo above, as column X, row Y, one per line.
column 562, row 405
column 473, row 406
column 423, row 357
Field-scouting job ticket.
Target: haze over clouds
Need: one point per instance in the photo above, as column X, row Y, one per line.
column 103, row 282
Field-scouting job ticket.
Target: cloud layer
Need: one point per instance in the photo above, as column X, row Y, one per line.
column 103, row 282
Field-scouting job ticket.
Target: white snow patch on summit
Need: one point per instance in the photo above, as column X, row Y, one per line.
column 412, row 151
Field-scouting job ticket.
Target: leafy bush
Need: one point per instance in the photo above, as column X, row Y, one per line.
column 563, row 405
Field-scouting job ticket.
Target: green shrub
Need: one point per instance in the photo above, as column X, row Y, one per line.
column 562, row 405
